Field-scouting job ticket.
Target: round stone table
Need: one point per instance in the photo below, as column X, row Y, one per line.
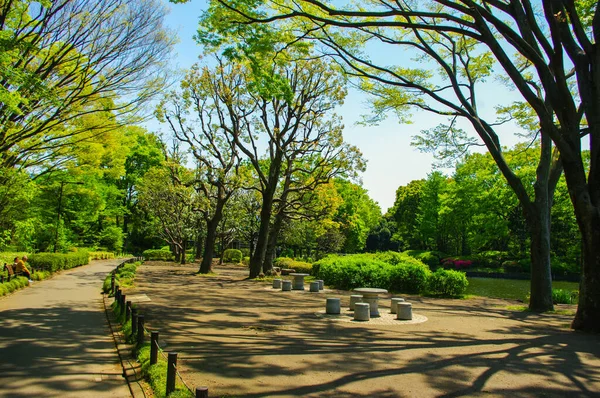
column 298, row 282
column 371, row 296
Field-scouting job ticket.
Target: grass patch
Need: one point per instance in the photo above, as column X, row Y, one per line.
column 124, row 277
column 520, row 308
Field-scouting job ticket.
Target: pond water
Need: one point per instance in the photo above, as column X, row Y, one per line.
column 509, row 288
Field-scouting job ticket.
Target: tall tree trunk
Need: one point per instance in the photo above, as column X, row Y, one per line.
column 183, row 250
column 541, row 276
column 258, row 258
column 588, row 311
column 212, row 224
column 199, row 242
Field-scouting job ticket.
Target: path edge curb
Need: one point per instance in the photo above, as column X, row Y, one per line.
column 131, row 368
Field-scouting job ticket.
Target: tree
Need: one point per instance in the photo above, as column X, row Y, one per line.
column 199, row 116
column 167, row 195
column 447, row 37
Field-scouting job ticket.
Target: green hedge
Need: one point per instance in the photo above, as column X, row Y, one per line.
column 15, row 284
column 158, row 254
column 57, row 261
column 431, row 258
column 124, row 276
column 101, row 255
column 448, row 283
column 405, row 275
column 298, row 266
column 232, row 256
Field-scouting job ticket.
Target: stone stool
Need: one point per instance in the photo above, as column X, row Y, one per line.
column 286, row 286
column 395, row 301
column 321, row 283
column 276, row 283
column 362, row 312
column 404, row 311
column 332, row 306
column 314, row 287
column 355, row 298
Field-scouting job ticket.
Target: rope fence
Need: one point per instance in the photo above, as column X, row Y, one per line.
column 139, row 332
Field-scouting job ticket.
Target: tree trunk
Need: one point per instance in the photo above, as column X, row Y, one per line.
column 541, row 276
column 209, row 250
column 183, row 250
column 199, row 242
column 260, row 249
column 272, row 244
column 587, row 317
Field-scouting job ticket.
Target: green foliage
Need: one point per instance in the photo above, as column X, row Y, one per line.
column 112, row 238
column 298, row 266
column 431, row 258
column 58, row 261
column 448, row 283
column 101, row 255
column 232, row 256
column 561, row 296
column 158, row 254
column 368, row 270
column 8, row 257
column 124, row 276
column 14, row 284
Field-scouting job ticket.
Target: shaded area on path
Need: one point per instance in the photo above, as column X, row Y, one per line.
column 242, row 339
column 55, row 340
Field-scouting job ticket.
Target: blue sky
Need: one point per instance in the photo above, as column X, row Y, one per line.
column 391, row 161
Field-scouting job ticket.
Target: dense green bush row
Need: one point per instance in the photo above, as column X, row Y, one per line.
column 232, row 256
column 298, row 266
column 101, row 255
column 158, row 254
column 15, row 284
column 389, row 270
column 124, row 276
column 57, row 261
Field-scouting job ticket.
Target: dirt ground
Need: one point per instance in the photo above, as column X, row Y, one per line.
column 243, row 338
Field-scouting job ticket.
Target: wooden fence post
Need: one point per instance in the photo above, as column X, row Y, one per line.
column 201, row 392
column 127, row 311
column 140, row 330
column 171, row 369
column 153, row 348
column 134, row 321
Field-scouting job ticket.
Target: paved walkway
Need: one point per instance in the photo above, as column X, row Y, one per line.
column 55, row 340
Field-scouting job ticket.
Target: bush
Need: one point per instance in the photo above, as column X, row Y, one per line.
column 15, row 284
column 298, row 266
column 246, row 260
column 158, row 254
column 490, row 258
column 368, row 270
column 57, row 261
column 448, row 283
column 101, row 255
column 561, row 296
column 431, row 258
column 561, row 267
column 232, row 256
column 124, row 276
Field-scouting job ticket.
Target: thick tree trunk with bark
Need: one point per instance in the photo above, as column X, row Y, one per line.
column 257, row 259
column 183, row 250
column 211, row 237
column 541, row 276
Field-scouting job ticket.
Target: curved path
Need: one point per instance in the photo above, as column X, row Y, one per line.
column 55, row 339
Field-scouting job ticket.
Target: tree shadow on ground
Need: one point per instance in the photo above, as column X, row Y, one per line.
column 250, row 332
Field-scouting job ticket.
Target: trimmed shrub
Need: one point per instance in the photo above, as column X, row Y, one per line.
column 246, row 260
column 232, row 256
column 101, row 255
column 409, row 278
column 15, row 284
column 124, row 276
column 57, row 261
column 368, row 270
column 158, row 254
column 448, row 283
column 299, row 266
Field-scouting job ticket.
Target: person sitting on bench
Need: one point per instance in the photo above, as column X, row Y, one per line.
column 20, row 267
